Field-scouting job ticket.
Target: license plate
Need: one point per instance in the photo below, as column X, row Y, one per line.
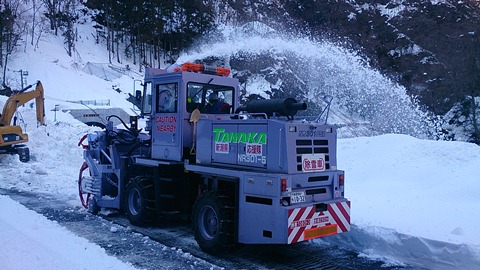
column 297, row 197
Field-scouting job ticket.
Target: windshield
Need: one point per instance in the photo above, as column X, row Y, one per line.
column 209, row 98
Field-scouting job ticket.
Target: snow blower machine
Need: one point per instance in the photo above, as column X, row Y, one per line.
column 248, row 174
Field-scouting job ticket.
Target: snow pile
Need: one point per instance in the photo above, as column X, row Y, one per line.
column 409, row 181
column 28, row 239
column 413, row 200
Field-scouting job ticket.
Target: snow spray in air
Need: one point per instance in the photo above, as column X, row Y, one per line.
column 270, row 63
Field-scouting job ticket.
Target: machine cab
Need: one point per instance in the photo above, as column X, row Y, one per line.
column 169, row 99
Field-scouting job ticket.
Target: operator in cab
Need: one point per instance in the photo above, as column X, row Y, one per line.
column 216, row 105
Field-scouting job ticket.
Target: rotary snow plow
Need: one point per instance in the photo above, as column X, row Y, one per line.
column 249, row 175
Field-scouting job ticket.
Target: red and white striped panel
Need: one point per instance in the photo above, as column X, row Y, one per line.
column 302, row 219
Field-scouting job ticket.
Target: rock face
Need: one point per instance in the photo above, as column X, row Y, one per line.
column 432, row 47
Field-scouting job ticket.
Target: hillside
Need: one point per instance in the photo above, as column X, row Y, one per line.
column 428, row 47
column 395, row 181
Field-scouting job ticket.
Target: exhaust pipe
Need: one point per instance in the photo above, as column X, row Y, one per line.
column 284, row 106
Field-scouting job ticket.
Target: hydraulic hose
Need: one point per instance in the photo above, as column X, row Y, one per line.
column 80, row 191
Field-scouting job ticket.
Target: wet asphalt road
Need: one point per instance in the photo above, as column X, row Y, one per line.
column 170, row 244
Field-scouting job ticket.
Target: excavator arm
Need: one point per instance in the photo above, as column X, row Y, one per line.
column 19, row 98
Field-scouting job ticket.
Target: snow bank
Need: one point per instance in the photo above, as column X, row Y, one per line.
column 29, row 240
column 419, row 187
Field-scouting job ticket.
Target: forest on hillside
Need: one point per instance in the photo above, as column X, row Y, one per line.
column 432, row 48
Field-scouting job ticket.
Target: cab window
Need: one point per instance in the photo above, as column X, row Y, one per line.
column 209, row 98
column 167, row 98
column 147, row 98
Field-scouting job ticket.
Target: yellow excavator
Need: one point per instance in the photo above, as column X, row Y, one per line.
column 11, row 135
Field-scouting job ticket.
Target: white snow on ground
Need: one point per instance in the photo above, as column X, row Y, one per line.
column 413, row 200
column 423, row 188
column 30, row 241
column 403, row 190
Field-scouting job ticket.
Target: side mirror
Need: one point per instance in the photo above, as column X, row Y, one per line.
column 136, row 98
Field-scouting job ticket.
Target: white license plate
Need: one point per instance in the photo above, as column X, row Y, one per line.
column 297, row 197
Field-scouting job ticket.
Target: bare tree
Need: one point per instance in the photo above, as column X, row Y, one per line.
column 9, row 31
column 67, row 17
column 475, row 110
column 41, row 27
column 53, row 9
column 36, row 6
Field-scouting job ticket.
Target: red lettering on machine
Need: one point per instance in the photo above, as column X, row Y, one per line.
column 313, row 162
column 166, row 128
column 165, row 119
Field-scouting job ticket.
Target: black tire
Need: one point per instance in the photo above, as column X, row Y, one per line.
column 213, row 223
column 140, row 201
column 93, row 207
column 23, row 154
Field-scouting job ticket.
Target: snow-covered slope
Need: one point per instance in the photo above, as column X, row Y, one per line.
column 400, row 187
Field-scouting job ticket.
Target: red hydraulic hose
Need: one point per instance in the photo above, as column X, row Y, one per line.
column 80, row 193
column 84, row 146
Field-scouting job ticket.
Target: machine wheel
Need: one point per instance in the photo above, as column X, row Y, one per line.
column 23, row 154
column 213, row 223
column 93, row 206
column 140, row 201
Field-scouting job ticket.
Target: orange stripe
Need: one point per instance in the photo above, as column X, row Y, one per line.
column 318, row 232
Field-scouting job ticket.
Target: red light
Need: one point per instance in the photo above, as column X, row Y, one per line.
column 284, row 185
column 202, row 68
column 223, row 71
column 193, row 67
column 341, row 180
